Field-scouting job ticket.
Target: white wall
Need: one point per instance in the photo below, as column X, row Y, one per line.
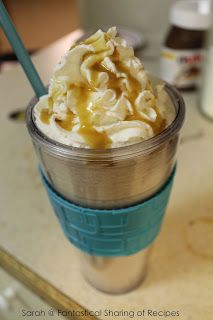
column 149, row 16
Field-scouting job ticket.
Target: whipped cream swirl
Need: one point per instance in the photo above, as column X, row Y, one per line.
column 100, row 96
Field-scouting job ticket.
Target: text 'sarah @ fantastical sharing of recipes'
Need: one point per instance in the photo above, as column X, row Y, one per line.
column 102, row 313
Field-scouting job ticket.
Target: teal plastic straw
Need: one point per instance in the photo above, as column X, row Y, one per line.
column 20, row 51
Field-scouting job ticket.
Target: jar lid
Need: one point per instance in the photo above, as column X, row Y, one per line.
column 191, row 14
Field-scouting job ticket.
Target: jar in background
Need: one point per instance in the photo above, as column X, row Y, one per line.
column 206, row 95
column 183, row 51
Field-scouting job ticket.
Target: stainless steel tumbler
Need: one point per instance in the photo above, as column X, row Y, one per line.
column 109, row 179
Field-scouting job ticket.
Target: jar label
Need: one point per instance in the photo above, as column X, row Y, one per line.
column 181, row 68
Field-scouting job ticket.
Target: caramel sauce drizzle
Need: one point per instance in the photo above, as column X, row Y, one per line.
column 114, row 82
column 45, row 116
column 66, row 123
column 94, row 138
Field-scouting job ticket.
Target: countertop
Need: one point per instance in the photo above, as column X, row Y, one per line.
column 34, row 249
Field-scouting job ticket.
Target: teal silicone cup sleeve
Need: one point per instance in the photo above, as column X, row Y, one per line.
column 119, row 232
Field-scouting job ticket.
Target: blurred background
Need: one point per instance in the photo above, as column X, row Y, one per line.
column 144, row 23
column 148, row 16
column 51, row 19
column 39, row 23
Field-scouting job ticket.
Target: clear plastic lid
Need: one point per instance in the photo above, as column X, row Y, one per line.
column 191, row 14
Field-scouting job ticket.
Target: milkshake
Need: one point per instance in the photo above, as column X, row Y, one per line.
column 108, row 118
column 106, row 136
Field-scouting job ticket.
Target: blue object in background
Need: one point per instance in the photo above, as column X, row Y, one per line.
column 118, row 232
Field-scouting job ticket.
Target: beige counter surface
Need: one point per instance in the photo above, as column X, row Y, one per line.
column 180, row 276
